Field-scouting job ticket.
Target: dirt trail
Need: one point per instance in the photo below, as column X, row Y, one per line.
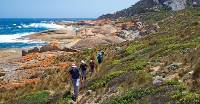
column 10, row 54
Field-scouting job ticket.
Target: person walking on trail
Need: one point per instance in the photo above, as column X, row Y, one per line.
column 100, row 56
column 75, row 76
column 83, row 68
column 92, row 67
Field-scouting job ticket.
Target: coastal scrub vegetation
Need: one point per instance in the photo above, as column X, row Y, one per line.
column 126, row 75
column 32, row 98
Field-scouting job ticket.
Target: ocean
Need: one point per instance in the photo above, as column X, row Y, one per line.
column 11, row 29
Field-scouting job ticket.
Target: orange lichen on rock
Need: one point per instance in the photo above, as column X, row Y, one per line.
column 29, row 57
column 33, row 67
column 14, row 85
column 63, row 66
column 37, row 60
column 125, row 25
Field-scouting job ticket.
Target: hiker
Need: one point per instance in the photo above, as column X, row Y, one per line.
column 100, row 56
column 92, row 67
column 83, row 68
column 75, row 75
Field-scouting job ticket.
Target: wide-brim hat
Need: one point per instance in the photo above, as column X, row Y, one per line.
column 74, row 66
column 83, row 61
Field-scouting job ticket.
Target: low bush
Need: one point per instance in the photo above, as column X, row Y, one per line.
column 101, row 82
column 40, row 97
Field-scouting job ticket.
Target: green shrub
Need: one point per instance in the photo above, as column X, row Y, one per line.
column 130, row 96
column 156, row 16
column 116, row 62
column 101, row 82
column 190, row 98
column 196, row 22
column 172, row 90
column 136, row 65
column 133, row 48
column 185, row 98
column 172, row 82
column 67, row 100
column 40, row 97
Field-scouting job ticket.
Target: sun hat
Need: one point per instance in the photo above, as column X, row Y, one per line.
column 74, row 66
column 83, row 61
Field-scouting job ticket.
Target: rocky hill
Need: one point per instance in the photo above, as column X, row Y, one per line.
column 144, row 6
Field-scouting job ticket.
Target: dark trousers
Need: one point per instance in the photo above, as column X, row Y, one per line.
column 76, row 84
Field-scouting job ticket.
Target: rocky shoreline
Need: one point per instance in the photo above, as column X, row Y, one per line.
column 19, row 67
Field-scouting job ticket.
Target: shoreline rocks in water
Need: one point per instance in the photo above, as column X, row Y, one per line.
column 46, row 48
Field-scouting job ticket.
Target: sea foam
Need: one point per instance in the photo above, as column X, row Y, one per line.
column 44, row 25
column 16, row 38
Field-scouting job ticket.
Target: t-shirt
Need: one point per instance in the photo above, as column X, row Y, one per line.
column 92, row 65
column 83, row 67
column 74, row 73
column 100, row 55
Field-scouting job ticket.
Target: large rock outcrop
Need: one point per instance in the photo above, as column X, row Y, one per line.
column 151, row 5
column 46, row 48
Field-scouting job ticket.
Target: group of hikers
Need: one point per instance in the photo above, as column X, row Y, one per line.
column 80, row 72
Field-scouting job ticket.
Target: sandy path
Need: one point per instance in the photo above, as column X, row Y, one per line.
column 8, row 54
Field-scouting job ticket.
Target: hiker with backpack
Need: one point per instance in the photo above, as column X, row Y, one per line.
column 100, row 56
column 92, row 67
column 83, row 68
column 75, row 76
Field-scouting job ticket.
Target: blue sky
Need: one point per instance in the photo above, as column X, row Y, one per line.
column 60, row 8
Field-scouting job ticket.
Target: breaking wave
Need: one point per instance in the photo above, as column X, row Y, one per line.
column 17, row 38
column 44, row 25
